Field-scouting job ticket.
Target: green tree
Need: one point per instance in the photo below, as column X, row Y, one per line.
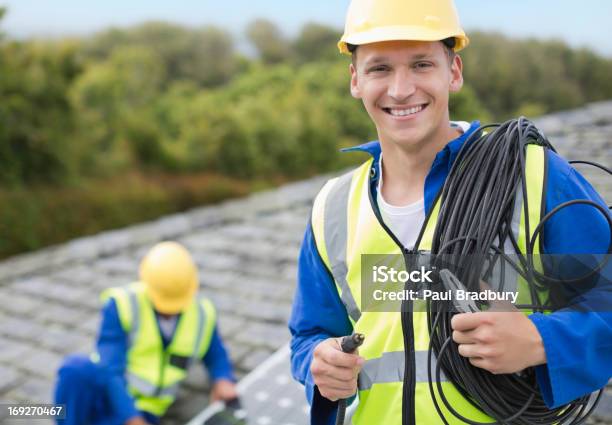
column 316, row 42
column 465, row 106
column 271, row 46
column 36, row 119
column 185, row 53
column 115, row 101
column 285, row 121
column 511, row 76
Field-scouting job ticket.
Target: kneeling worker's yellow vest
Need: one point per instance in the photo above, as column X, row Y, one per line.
column 345, row 227
column 154, row 373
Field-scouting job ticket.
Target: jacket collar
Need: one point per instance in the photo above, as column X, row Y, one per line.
column 450, row 150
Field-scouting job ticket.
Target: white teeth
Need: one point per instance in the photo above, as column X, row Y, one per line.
column 404, row 112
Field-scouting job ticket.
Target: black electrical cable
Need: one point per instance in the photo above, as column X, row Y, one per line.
column 594, row 164
column 475, row 220
column 348, row 344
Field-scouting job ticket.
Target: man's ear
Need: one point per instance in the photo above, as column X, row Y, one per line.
column 456, row 74
column 355, row 91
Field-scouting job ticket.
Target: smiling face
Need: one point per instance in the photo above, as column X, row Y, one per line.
column 405, row 86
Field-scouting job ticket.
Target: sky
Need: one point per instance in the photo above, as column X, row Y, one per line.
column 583, row 23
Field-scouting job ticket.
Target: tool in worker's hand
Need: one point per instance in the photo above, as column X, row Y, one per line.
column 348, row 344
column 453, row 284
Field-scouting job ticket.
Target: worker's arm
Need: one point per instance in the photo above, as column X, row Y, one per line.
column 317, row 314
column 578, row 345
column 219, row 367
column 572, row 350
column 112, row 348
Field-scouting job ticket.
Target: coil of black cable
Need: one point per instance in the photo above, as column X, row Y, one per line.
column 477, row 203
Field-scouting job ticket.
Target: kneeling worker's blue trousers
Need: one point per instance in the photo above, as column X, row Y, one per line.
column 85, row 390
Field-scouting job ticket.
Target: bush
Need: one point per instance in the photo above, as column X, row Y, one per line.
column 38, row 217
column 36, row 119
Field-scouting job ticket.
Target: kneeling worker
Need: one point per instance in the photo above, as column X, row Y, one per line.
column 151, row 332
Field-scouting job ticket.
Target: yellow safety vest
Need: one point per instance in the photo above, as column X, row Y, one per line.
column 154, row 373
column 345, row 227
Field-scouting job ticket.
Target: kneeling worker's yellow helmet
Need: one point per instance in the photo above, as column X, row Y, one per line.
column 170, row 277
column 372, row 21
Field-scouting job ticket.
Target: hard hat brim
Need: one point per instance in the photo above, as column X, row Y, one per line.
column 176, row 305
column 394, row 33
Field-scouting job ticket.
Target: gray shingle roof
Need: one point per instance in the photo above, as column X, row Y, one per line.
column 247, row 251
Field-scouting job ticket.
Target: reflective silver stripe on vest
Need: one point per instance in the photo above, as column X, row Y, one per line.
column 515, row 224
column 508, row 280
column 198, row 340
column 335, row 230
column 135, row 312
column 147, row 389
column 390, row 368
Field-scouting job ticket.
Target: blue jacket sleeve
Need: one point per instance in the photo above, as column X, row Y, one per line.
column 318, row 314
column 578, row 345
column 217, row 360
column 112, row 348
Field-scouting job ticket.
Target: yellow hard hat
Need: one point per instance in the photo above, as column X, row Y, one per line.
column 372, row 21
column 170, row 277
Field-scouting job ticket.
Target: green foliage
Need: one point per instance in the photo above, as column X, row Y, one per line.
column 205, row 56
column 511, row 77
column 114, row 100
column 160, row 99
column 271, row 46
column 316, row 42
column 35, row 114
column 39, row 216
column 465, row 106
column 279, row 121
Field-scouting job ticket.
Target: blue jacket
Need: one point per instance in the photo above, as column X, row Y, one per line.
column 112, row 348
column 578, row 345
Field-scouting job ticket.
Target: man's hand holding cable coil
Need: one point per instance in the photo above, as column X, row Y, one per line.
column 498, row 341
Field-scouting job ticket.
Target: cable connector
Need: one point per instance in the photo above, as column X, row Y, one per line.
column 350, row 343
column 453, row 284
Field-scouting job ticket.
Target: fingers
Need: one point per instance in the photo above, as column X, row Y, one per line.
column 500, row 342
column 469, row 350
column 487, row 364
column 467, row 337
column 334, row 388
column 334, row 393
column 327, row 371
column 482, row 357
column 334, row 372
column 344, row 388
column 467, row 321
column 331, row 354
column 482, row 334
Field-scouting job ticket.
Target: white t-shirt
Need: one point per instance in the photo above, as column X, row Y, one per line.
column 405, row 221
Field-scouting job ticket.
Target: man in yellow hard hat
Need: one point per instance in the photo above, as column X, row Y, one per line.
column 151, row 332
column 404, row 66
